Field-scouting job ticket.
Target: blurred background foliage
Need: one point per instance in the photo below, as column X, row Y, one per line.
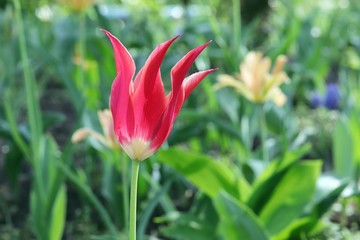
column 210, row 180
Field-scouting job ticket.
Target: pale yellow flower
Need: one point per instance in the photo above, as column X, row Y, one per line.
column 255, row 81
column 107, row 138
column 77, row 5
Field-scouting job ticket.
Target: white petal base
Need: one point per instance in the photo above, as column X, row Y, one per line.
column 138, row 149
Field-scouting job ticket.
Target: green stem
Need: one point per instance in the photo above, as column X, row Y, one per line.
column 263, row 130
column 124, row 171
column 82, row 47
column 33, row 109
column 133, row 199
column 18, row 139
column 236, row 26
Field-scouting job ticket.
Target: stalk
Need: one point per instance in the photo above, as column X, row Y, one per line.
column 133, row 199
column 32, row 105
column 236, row 26
column 82, row 47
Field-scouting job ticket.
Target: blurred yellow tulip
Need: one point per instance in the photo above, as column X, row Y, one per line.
column 107, row 138
column 255, row 81
column 77, row 5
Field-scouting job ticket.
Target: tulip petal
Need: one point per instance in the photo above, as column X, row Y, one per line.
column 149, row 110
column 123, row 60
column 179, row 71
column 188, row 86
column 120, row 101
column 164, row 126
column 151, row 67
column 122, row 110
column 176, row 97
column 149, row 93
column 177, row 101
column 193, row 80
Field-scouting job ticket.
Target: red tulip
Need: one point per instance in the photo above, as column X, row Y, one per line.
column 143, row 114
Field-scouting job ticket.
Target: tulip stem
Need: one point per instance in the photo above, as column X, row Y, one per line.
column 82, row 49
column 133, row 199
column 236, row 26
column 33, row 108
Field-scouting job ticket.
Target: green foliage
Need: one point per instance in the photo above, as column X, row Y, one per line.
column 208, row 175
column 48, row 196
column 343, row 148
column 272, row 203
column 287, row 202
column 237, row 221
column 198, row 222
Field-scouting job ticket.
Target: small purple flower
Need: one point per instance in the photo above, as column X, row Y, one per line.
column 316, row 100
column 332, row 96
column 330, row 100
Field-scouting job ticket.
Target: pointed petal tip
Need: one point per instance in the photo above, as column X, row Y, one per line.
column 203, row 46
column 207, row 43
column 173, row 39
column 105, row 31
column 212, row 70
column 109, row 34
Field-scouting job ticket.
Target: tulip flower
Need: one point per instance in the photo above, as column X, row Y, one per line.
column 77, row 5
column 255, row 81
column 143, row 114
column 107, row 138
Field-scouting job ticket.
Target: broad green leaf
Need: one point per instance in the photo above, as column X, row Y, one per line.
column 290, row 195
column 205, row 173
column 272, row 175
column 237, row 221
column 328, row 190
column 121, row 236
column 355, row 132
column 198, row 223
column 58, row 216
column 187, row 226
column 47, row 198
column 36, row 216
column 296, row 228
column 343, row 148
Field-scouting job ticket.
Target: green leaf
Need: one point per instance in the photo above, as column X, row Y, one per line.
column 290, row 195
column 58, row 216
column 198, row 223
column 189, row 226
column 298, row 227
column 355, row 132
column 343, row 148
column 205, row 173
column 272, row 175
column 328, row 190
column 237, row 221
